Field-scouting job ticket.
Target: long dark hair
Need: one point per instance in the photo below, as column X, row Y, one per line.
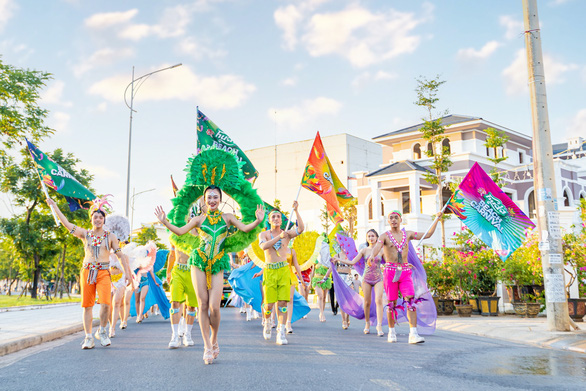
column 369, row 231
column 213, row 187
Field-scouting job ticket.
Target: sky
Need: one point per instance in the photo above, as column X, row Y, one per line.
column 276, row 71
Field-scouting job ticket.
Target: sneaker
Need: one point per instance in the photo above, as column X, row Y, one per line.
column 187, row 340
column 281, row 339
column 174, row 343
column 242, row 310
column 103, row 337
column 88, row 343
column 416, row 338
column 266, row 331
column 123, row 325
column 289, row 329
column 255, row 314
column 392, row 337
column 112, row 333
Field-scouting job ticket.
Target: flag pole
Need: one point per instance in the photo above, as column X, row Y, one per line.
column 43, row 186
column 434, row 221
column 293, row 209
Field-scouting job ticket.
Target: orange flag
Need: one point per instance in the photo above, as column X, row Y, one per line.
column 174, row 186
column 320, row 178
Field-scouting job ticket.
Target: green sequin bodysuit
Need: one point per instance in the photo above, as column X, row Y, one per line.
column 209, row 256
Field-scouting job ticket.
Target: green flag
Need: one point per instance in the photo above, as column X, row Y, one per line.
column 55, row 177
column 210, row 136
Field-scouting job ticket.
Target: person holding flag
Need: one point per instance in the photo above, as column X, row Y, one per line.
column 95, row 276
column 397, row 273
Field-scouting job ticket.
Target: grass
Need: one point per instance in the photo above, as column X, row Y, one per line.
column 14, row 301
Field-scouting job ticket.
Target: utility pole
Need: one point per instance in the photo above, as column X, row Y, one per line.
column 550, row 241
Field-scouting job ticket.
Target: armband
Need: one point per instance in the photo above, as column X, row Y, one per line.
column 117, row 250
column 72, row 230
column 297, row 230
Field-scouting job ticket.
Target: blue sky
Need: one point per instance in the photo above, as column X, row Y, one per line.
column 277, row 71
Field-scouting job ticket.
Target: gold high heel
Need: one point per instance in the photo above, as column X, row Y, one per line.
column 208, row 356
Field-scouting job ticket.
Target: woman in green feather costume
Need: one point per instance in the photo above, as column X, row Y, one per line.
column 209, row 173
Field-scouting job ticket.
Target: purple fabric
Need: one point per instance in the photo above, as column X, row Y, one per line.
column 347, row 244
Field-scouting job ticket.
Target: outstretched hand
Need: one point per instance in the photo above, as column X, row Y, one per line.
column 260, row 212
column 51, row 203
column 160, row 213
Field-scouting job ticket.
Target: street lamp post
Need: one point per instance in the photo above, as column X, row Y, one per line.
column 132, row 92
column 132, row 214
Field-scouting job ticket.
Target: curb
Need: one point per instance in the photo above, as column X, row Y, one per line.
column 15, row 345
column 36, row 307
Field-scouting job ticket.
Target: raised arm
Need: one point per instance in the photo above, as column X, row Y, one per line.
column 419, row 235
column 260, row 214
column 295, row 231
column 72, row 228
column 162, row 217
column 296, row 265
column 353, row 262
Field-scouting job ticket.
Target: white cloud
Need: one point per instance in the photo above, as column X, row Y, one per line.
column 362, row 37
column 102, row 107
column 307, row 112
column 100, row 58
column 578, row 125
column 173, row 22
column 199, row 50
column 54, row 94
column 471, row 54
column 360, row 80
column 110, row 19
column 289, row 17
column 136, row 32
column 7, row 9
column 215, row 92
column 514, row 27
column 289, row 82
column 59, row 121
column 366, row 77
column 516, row 75
column 382, row 75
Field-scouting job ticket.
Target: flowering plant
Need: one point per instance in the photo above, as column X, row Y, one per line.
column 574, row 247
column 439, row 277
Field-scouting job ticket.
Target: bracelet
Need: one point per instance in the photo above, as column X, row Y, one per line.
column 72, row 230
column 117, row 250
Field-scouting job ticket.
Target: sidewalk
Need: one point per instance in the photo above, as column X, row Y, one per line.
column 26, row 328
column 23, row 327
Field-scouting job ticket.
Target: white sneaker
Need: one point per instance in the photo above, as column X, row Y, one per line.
column 187, row 340
column 112, row 333
column 103, row 337
column 392, row 337
column 182, row 327
column 88, row 343
column 123, row 325
column 255, row 314
column 248, row 317
column 242, row 310
column 266, row 331
column 416, row 338
column 281, row 339
column 174, row 343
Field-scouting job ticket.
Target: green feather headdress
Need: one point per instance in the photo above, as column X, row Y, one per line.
column 215, row 167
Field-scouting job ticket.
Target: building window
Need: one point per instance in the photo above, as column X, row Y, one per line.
column 531, row 205
column 405, row 202
column 382, row 209
column 446, row 144
column 429, row 149
column 446, row 195
column 566, row 198
column 521, row 157
column 417, row 151
column 488, row 151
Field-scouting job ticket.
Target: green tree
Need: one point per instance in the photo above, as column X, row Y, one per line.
column 324, row 218
column 20, row 114
column 36, row 239
column 433, row 132
column 496, row 140
column 9, row 264
column 148, row 233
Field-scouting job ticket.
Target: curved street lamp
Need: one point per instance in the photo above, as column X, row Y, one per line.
column 132, row 92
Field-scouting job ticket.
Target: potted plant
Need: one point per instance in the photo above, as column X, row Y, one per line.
column 574, row 247
column 441, row 283
column 523, row 271
column 461, row 266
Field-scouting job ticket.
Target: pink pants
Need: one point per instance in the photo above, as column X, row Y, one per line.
column 404, row 284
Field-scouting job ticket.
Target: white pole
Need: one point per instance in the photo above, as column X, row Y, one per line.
column 57, row 222
column 293, row 209
column 433, row 222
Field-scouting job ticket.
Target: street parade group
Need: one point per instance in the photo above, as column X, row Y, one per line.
column 272, row 282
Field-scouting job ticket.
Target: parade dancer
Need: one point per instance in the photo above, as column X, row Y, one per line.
column 397, row 273
column 320, row 279
column 209, row 261
column 371, row 278
column 94, row 275
column 296, row 279
column 182, row 291
column 277, row 273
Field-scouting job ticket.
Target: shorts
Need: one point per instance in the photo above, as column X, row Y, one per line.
column 103, row 287
column 144, row 281
column 404, row 285
column 182, row 287
column 277, row 284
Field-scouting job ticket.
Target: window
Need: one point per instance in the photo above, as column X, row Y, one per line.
column 446, row 144
column 382, row 208
column 566, row 198
column 446, row 195
column 531, row 205
column 429, row 149
column 417, row 151
column 521, row 157
column 405, row 202
column 488, row 151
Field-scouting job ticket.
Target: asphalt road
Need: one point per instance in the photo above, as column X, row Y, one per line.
column 320, row 356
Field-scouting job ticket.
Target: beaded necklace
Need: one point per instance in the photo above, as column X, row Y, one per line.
column 214, row 216
column 397, row 245
column 96, row 241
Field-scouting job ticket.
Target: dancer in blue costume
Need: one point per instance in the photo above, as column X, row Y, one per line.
column 208, row 173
